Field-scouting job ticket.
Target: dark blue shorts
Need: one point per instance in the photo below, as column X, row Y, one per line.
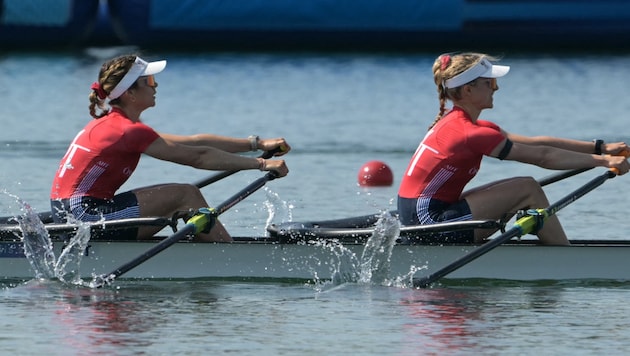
column 88, row 209
column 432, row 212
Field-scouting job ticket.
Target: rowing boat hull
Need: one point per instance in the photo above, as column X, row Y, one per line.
column 307, row 261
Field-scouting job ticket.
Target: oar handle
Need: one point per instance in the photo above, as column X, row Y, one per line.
column 625, row 153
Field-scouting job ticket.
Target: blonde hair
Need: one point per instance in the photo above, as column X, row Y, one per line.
column 447, row 66
column 109, row 76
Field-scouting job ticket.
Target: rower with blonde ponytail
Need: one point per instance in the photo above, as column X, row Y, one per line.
column 450, row 154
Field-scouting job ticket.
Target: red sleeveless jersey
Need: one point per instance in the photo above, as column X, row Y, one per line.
column 448, row 157
column 102, row 157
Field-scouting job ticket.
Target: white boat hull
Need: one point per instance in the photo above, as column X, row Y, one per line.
column 290, row 253
column 245, row 260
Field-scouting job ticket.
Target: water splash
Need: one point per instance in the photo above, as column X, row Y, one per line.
column 373, row 266
column 67, row 268
column 377, row 253
column 277, row 207
column 39, row 250
column 344, row 264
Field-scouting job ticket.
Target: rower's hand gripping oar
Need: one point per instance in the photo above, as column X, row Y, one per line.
column 218, row 176
column 529, row 223
column 202, row 221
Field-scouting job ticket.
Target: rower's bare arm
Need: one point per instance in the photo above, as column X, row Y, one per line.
column 231, row 144
column 556, row 158
column 568, row 144
column 210, row 158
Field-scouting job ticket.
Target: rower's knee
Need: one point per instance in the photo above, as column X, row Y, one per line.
column 528, row 181
column 192, row 196
column 531, row 190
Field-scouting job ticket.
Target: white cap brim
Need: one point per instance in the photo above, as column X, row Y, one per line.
column 496, row 71
column 153, row 68
column 483, row 69
column 139, row 69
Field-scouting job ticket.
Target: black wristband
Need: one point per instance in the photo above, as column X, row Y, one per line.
column 598, row 146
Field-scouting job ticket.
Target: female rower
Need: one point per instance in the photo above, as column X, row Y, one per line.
column 106, row 152
column 450, row 154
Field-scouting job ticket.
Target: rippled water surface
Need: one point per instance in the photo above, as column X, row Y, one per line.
column 338, row 112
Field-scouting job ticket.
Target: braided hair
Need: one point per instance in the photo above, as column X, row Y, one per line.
column 109, row 76
column 447, row 66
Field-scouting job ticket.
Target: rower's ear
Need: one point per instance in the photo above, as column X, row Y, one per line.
column 465, row 90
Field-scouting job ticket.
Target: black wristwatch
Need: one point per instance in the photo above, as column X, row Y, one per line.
column 598, row 146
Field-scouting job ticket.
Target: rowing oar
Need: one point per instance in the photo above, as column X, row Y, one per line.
column 525, row 225
column 218, row 176
column 566, row 174
column 46, row 217
column 561, row 175
column 202, row 221
column 556, row 177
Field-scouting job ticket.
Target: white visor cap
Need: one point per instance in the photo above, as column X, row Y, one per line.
column 139, row 69
column 483, row 69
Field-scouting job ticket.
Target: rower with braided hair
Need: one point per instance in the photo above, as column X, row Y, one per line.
column 106, row 152
column 449, row 156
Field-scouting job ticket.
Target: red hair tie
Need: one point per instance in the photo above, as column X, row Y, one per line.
column 445, row 60
column 99, row 90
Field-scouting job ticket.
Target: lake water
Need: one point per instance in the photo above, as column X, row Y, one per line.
column 338, row 111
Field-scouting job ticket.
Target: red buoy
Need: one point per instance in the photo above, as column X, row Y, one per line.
column 375, row 174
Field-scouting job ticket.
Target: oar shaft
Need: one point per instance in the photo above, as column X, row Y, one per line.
column 522, row 226
column 474, row 254
column 218, row 176
column 560, row 176
column 195, row 224
column 566, row 174
column 214, row 178
column 580, row 192
column 247, row 191
column 159, row 247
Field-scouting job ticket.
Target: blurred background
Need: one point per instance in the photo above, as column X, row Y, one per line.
column 316, row 24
